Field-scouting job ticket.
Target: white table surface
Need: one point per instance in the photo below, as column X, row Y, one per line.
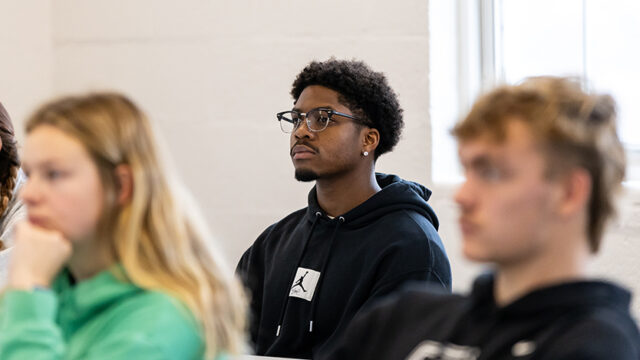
column 253, row 357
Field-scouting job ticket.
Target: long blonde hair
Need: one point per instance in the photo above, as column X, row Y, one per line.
column 160, row 242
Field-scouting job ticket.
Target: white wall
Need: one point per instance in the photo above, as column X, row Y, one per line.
column 212, row 74
column 25, row 56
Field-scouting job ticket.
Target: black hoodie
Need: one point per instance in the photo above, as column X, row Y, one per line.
column 582, row 320
column 308, row 274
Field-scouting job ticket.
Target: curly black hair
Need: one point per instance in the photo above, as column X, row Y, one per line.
column 365, row 92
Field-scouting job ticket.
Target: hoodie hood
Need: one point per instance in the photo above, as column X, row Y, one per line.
column 395, row 194
column 81, row 301
column 566, row 296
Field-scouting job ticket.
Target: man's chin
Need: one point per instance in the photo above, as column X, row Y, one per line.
column 305, row 175
column 474, row 252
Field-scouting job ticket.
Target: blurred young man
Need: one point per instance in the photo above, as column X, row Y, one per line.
column 363, row 234
column 542, row 162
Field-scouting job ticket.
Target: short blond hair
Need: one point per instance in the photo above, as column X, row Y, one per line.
column 574, row 127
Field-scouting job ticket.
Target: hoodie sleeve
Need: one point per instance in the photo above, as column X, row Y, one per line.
column 250, row 269
column 350, row 345
column 597, row 339
column 28, row 330
column 27, row 326
column 251, row 282
column 417, row 255
column 363, row 329
column 378, row 332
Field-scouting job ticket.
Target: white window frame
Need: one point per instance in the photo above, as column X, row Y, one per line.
column 456, row 76
column 477, row 70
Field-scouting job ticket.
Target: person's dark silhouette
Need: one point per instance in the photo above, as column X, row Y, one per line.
column 299, row 282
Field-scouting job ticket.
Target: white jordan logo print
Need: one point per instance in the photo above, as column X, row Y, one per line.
column 523, row 348
column 433, row 350
column 304, row 284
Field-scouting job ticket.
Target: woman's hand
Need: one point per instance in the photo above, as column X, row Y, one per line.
column 38, row 255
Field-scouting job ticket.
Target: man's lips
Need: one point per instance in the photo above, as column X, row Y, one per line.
column 466, row 226
column 299, row 152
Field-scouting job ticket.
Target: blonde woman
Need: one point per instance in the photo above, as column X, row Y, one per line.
column 11, row 178
column 110, row 264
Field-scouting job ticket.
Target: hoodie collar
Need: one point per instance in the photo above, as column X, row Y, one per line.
column 81, row 301
column 395, row 194
column 569, row 295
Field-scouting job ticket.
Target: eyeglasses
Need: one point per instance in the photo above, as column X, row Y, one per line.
column 317, row 119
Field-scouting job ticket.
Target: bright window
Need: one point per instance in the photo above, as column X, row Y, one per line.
column 507, row 40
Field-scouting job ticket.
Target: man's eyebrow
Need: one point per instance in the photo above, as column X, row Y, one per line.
column 328, row 107
column 478, row 161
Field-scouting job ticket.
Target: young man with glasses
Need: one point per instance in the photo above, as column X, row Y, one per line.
column 362, row 235
column 542, row 162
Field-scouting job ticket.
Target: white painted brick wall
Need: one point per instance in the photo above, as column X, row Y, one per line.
column 212, row 75
column 25, row 56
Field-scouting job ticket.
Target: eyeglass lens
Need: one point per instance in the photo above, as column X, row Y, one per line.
column 316, row 119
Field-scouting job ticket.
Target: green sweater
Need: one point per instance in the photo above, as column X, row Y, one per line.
column 105, row 317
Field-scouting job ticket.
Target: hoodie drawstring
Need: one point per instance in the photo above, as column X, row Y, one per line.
column 283, row 310
column 325, row 261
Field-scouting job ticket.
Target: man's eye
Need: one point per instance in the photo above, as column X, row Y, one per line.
column 490, row 173
column 53, row 174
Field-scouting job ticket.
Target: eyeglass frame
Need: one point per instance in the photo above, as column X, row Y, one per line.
column 330, row 112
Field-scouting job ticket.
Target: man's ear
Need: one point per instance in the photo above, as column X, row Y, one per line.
column 124, row 177
column 371, row 139
column 576, row 191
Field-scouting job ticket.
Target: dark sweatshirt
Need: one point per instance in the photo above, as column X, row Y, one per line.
column 308, row 275
column 583, row 320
